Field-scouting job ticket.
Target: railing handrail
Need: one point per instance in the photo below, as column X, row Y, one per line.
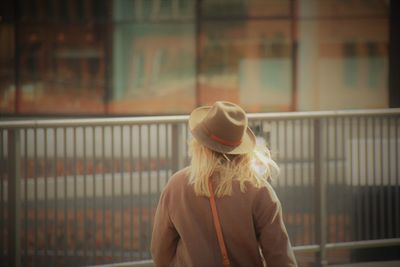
column 325, row 114
column 91, row 122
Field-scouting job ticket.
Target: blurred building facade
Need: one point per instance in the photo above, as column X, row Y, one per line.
column 136, row 57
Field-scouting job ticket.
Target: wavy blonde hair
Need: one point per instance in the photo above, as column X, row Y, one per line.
column 255, row 167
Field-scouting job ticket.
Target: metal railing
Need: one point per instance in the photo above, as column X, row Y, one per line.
column 84, row 191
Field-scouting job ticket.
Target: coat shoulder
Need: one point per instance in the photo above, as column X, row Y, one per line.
column 264, row 193
column 178, row 179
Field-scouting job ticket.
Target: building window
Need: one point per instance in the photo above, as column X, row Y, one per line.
column 139, row 71
column 375, row 66
column 350, row 67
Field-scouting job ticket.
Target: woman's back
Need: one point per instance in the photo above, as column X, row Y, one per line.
column 247, row 218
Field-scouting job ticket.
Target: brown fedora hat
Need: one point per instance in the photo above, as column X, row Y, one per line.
column 222, row 127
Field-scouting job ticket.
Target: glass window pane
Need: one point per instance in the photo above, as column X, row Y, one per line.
column 7, row 68
column 245, row 8
column 343, row 63
column 62, row 57
column 247, row 62
column 153, row 57
column 351, row 8
column 62, row 69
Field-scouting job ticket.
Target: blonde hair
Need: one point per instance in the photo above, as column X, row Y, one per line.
column 255, row 167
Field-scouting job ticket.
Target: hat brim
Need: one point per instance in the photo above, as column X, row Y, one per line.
column 248, row 141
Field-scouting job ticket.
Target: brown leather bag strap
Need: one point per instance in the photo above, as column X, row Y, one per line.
column 217, row 225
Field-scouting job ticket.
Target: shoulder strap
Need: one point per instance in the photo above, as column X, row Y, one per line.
column 217, row 225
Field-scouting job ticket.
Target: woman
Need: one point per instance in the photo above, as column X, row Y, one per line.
column 247, row 225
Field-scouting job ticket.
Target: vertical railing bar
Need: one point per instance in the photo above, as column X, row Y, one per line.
column 293, row 182
column 112, row 195
column 5, row 189
column 345, row 194
column 65, row 199
column 5, row 220
column 104, row 163
column 278, row 154
column 302, row 176
column 25, row 194
column 285, row 166
column 375, row 185
column 330, row 177
column 46, row 228
column 312, row 221
column 122, row 195
column 360, row 187
column 367, row 185
column 389, row 185
column 382, row 186
column 278, row 157
column 352, row 205
column 158, row 158
column 306, row 181
column 85, row 211
column 131, row 191
column 7, row 254
column 326, row 160
column 140, row 191
column 176, row 153
column 320, row 183
column 94, row 212
column 335, row 152
column 149, row 179
column 4, row 169
column 2, row 217
column 187, row 143
column 55, row 246
column 167, row 148
column 75, row 227
column 35, row 156
column 350, row 187
column 158, row 162
column 184, row 146
column 14, row 198
column 397, row 182
column 351, row 178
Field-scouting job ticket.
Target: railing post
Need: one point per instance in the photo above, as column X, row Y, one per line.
column 320, row 196
column 177, row 147
column 14, row 200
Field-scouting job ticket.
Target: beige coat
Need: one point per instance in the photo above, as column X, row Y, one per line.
column 184, row 234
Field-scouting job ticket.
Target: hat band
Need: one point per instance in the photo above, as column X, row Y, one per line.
column 220, row 140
